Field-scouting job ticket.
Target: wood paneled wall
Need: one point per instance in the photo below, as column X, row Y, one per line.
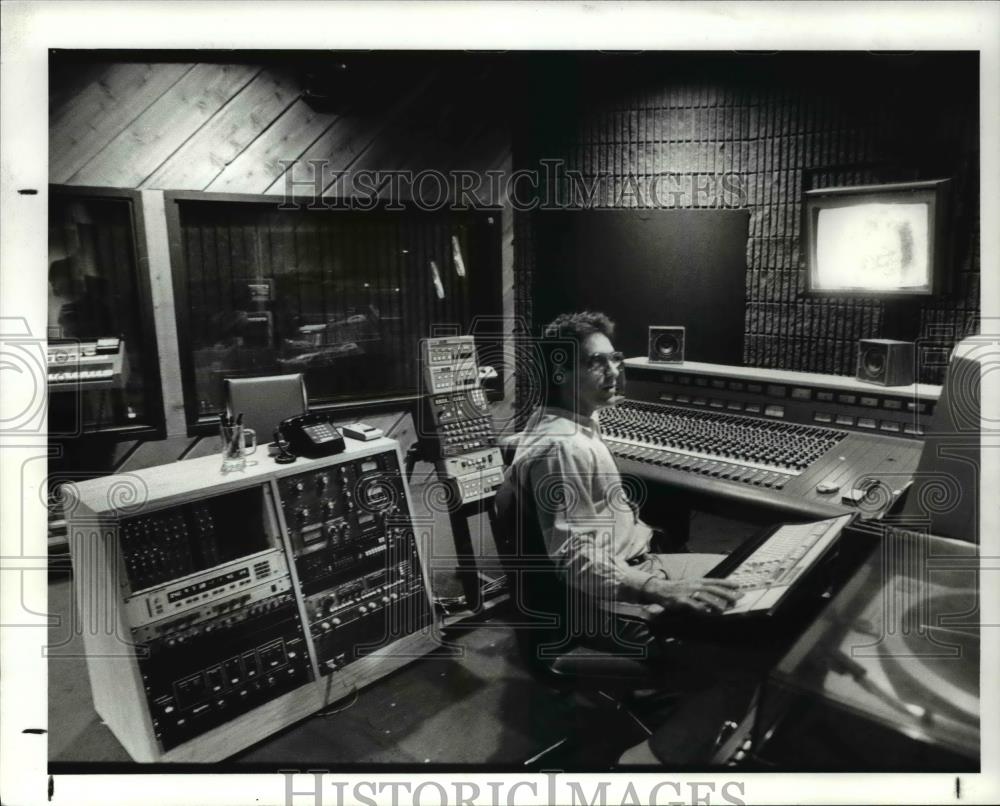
column 238, row 127
column 756, row 132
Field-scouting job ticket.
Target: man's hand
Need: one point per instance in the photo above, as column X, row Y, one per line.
column 705, row 596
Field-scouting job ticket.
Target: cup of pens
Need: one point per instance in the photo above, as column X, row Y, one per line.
column 235, row 449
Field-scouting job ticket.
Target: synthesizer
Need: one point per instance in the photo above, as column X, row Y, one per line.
column 797, row 444
column 223, row 608
column 83, row 365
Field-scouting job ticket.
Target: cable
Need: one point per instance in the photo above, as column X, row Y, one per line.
column 334, row 711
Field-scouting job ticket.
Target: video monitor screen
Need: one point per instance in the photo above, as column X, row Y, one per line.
column 876, row 246
column 882, row 240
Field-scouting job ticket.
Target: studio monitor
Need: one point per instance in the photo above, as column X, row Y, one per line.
column 666, row 344
column 885, row 361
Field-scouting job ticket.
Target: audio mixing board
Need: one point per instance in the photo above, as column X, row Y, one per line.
column 798, row 444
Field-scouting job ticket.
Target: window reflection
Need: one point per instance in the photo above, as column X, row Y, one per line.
column 95, row 362
column 342, row 296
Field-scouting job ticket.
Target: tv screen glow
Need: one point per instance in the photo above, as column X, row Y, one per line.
column 879, row 241
column 874, row 246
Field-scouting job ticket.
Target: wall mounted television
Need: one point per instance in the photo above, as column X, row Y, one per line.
column 877, row 240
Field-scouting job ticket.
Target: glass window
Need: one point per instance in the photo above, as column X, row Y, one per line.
column 341, row 295
column 101, row 375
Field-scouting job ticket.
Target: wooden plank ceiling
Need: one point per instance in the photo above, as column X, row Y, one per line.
column 235, row 127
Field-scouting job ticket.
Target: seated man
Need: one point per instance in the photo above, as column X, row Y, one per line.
column 589, row 526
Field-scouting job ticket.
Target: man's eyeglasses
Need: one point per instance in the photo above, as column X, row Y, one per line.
column 602, row 362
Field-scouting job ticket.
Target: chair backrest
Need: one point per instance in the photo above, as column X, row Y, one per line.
column 536, row 589
column 555, row 615
column 266, row 401
column 521, row 546
column 551, row 622
column 945, row 490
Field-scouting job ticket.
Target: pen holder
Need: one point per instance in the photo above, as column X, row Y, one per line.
column 234, row 446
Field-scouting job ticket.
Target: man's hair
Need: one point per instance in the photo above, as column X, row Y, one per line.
column 578, row 326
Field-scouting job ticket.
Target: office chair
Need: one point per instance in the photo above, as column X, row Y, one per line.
column 542, row 612
column 542, row 601
column 266, row 401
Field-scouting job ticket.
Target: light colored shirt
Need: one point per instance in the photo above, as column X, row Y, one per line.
column 589, row 525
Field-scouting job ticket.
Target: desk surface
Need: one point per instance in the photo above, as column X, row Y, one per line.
column 897, row 648
column 923, row 391
column 124, row 493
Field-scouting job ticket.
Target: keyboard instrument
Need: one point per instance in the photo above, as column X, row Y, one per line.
column 81, row 365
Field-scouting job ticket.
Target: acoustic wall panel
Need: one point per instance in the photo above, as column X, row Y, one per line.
column 647, row 267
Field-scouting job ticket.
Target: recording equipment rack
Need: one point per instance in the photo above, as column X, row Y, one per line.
column 355, row 556
column 236, row 606
column 455, row 427
column 797, row 444
column 201, row 674
column 455, row 432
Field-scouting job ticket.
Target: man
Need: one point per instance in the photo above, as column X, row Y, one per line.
column 590, row 527
column 564, row 476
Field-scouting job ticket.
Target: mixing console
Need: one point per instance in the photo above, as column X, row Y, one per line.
column 727, row 446
column 796, row 444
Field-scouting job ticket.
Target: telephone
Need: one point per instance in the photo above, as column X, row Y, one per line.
column 312, row 435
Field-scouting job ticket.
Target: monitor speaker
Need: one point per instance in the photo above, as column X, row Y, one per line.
column 885, row 361
column 666, row 344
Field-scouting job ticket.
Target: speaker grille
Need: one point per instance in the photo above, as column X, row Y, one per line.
column 886, row 362
column 667, row 345
column 873, row 362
